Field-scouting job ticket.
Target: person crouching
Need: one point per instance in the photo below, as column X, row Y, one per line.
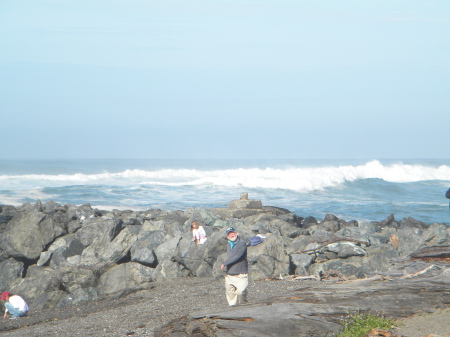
column 14, row 305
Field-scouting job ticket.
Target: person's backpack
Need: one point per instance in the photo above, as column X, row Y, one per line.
column 255, row 240
column 447, row 194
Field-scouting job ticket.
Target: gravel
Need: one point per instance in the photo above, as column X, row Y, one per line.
column 140, row 313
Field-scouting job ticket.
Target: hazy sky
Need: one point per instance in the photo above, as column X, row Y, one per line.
column 225, row 79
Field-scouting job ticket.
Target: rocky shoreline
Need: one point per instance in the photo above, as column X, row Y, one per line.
column 70, row 260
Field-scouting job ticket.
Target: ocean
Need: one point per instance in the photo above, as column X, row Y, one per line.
column 362, row 190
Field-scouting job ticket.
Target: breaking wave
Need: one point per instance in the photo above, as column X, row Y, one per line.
column 302, row 178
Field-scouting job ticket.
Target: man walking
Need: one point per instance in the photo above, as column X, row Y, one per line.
column 236, row 280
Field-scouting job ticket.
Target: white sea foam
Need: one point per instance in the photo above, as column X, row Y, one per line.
column 293, row 178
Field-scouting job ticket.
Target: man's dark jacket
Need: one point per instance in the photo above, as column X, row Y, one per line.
column 236, row 261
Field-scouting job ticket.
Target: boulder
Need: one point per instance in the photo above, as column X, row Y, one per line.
column 409, row 240
column 355, row 233
column 344, row 249
column 436, row 234
column 97, row 227
column 27, row 234
column 73, row 278
column 143, row 250
column 124, row 279
column 60, row 250
column 76, row 253
column 10, row 271
column 78, row 295
column 269, row 258
column 300, row 264
column 41, row 287
column 166, row 250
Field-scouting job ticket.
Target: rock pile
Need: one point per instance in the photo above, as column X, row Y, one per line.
column 54, row 255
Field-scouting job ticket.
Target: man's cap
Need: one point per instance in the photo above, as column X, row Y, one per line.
column 230, row 229
column 5, row 294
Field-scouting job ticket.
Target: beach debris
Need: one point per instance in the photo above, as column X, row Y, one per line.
column 419, row 272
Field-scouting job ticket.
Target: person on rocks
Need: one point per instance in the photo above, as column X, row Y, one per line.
column 236, row 264
column 14, row 305
column 198, row 233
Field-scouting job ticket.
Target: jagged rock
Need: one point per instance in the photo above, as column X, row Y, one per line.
column 344, row 250
column 37, row 287
column 287, row 229
column 308, row 222
column 73, row 278
column 60, row 250
column 166, row 250
column 356, row 233
column 436, row 234
column 78, row 295
column 44, row 258
column 172, row 224
column 378, row 260
column 143, row 250
column 76, row 246
column 412, row 223
column 97, row 227
column 10, row 271
column 125, row 278
column 198, row 259
column 300, row 264
column 269, row 258
column 28, row 233
column 169, row 269
column 409, row 240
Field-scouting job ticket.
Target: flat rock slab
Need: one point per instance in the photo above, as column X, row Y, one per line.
column 317, row 308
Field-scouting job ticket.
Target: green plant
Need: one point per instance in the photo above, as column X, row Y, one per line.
column 357, row 324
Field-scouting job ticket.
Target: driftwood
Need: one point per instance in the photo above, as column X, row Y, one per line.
column 419, row 272
column 297, row 277
column 319, row 307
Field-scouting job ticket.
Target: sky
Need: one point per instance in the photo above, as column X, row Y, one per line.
column 285, row 79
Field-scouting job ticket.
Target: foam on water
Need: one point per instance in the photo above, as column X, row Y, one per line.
column 352, row 191
column 292, row 178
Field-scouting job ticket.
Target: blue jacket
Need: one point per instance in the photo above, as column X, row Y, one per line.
column 236, row 261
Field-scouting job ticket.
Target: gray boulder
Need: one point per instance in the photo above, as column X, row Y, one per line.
column 143, row 250
column 269, row 258
column 409, row 240
column 41, row 287
column 125, row 278
column 10, row 271
column 28, row 233
column 300, row 264
column 79, row 295
column 436, row 234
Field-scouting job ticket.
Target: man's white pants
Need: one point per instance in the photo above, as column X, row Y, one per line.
column 236, row 288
